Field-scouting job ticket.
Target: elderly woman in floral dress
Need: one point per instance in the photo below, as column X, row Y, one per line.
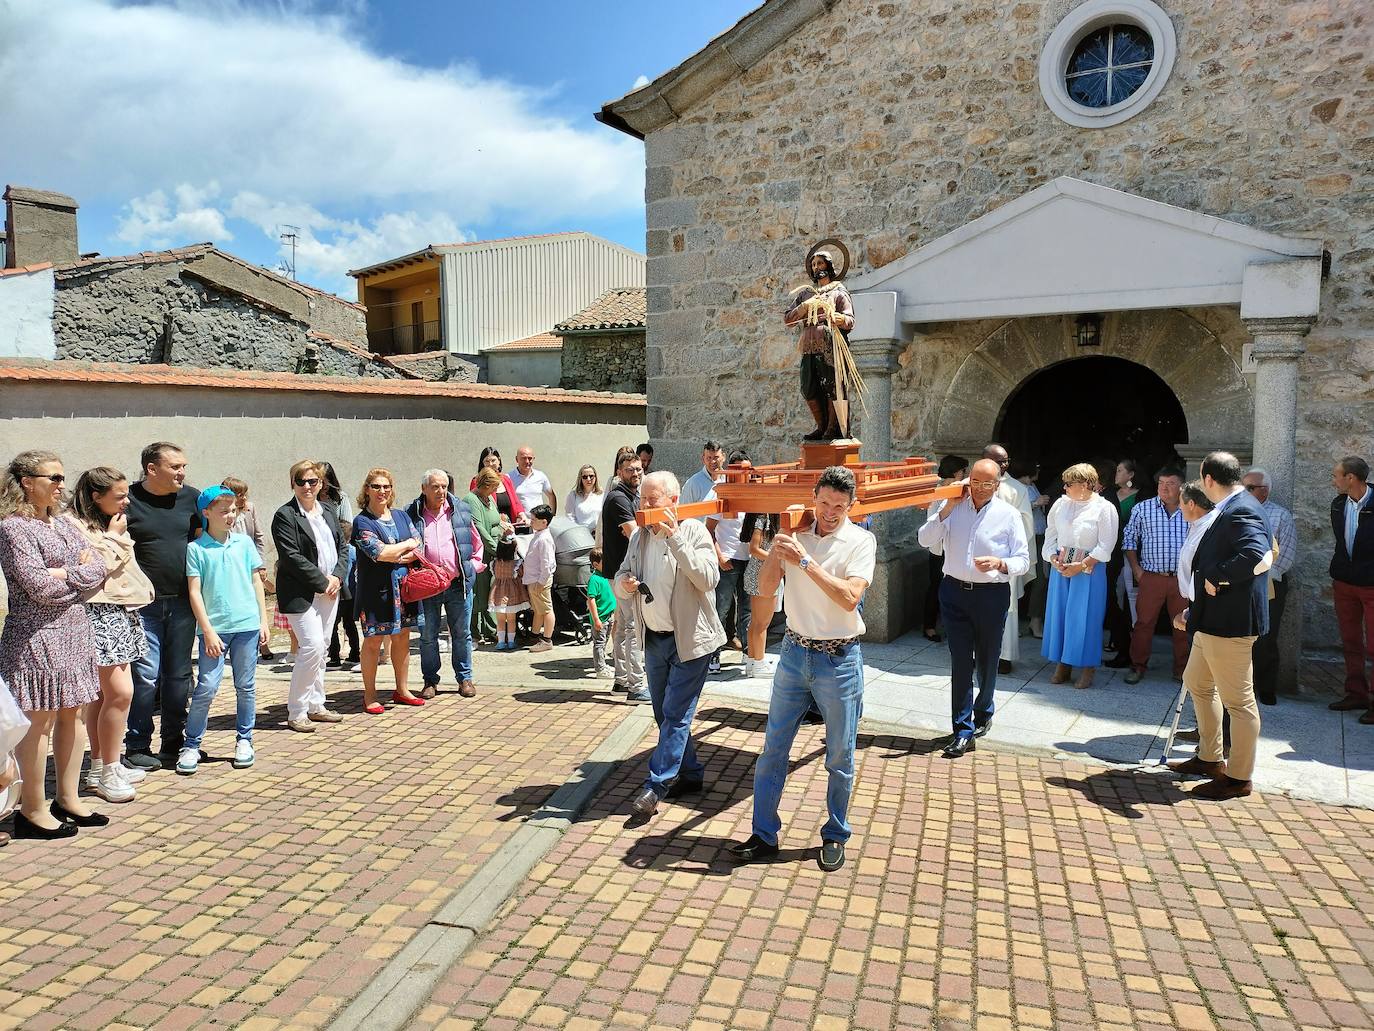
column 47, row 649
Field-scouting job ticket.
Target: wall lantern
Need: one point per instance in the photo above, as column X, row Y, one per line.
column 1088, row 330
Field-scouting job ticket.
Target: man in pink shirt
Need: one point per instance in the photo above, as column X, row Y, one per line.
column 452, row 542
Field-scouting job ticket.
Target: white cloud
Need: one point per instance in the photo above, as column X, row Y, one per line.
column 166, row 104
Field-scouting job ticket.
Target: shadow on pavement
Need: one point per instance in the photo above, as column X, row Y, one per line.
column 553, row 695
column 1123, row 792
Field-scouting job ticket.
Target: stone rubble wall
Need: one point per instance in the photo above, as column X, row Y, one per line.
column 889, row 124
column 154, row 314
column 604, row 361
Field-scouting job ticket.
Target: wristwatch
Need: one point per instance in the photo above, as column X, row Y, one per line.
column 805, row 561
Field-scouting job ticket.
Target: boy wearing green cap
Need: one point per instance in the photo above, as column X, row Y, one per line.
column 224, row 583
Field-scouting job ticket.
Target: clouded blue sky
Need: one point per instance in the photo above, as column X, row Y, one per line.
column 377, row 127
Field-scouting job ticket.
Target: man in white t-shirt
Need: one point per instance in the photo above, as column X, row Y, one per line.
column 824, row 572
column 531, row 486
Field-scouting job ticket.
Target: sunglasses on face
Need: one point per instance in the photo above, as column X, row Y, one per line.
column 379, row 486
column 589, row 476
column 57, row 478
column 312, row 482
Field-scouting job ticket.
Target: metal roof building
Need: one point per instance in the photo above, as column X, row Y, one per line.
column 472, row 296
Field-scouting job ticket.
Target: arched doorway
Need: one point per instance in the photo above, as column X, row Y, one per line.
column 1092, row 409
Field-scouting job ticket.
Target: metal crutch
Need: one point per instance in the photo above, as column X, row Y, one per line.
column 1173, row 728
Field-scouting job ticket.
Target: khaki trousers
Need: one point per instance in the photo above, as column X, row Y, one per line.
column 1219, row 673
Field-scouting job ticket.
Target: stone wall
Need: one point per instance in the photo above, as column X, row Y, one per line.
column 934, row 117
column 338, row 318
column 159, row 314
column 604, row 361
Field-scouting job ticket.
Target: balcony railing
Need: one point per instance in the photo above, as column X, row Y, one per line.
column 424, row 336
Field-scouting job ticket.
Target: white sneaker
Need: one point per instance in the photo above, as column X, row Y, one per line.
column 605, row 673
column 131, row 774
column 93, row 774
column 188, row 762
column 541, row 646
column 112, row 787
column 243, row 754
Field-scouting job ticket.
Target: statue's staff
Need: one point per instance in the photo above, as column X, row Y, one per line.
column 825, row 311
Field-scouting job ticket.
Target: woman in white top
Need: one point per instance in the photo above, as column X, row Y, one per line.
column 1080, row 533
column 584, row 501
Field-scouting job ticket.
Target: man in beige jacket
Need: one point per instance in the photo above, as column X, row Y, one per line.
column 669, row 577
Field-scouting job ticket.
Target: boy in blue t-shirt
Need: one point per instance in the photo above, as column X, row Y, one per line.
column 600, row 608
column 224, row 581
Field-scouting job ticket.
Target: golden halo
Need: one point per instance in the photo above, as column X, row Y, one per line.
column 826, row 244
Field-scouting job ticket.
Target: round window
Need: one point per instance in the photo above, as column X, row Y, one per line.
column 1109, row 65
column 1106, row 61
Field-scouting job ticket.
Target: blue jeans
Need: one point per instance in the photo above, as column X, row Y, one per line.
column 675, row 688
column 456, row 604
column 164, row 675
column 241, row 649
column 836, row 684
column 974, row 621
column 731, row 587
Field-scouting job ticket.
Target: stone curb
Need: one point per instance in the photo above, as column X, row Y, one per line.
column 401, row 988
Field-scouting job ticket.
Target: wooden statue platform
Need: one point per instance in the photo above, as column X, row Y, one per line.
column 788, row 489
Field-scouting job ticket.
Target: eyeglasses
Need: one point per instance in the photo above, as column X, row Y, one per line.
column 312, row 482
column 54, row 478
column 379, row 486
column 1254, row 486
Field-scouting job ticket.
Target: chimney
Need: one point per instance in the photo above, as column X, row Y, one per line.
column 39, row 226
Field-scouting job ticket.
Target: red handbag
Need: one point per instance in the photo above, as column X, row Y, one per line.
column 424, row 580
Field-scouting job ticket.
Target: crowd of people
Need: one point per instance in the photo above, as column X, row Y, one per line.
column 112, row 583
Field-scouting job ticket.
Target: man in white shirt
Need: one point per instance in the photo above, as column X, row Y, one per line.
column 668, row 579
column 701, row 485
column 1015, row 494
column 1283, row 530
column 824, row 573
column 984, row 543
column 531, row 486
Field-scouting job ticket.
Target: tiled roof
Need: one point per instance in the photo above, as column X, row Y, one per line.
column 23, row 269
column 34, row 370
column 342, row 345
column 621, row 308
column 538, row 342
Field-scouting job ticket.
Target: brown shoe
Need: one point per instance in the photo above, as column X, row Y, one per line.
column 1085, row 679
column 301, row 726
column 1221, row 789
column 1188, row 735
column 1367, row 718
column 1199, row 767
column 429, row 691
column 1003, row 665
column 1349, row 703
column 324, row 716
column 1061, row 674
column 467, row 689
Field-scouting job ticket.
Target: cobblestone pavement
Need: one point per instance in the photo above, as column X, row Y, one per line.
column 1000, row 891
column 264, row 897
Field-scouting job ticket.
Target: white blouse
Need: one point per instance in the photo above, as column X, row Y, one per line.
column 584, row 511
column 1086, row 526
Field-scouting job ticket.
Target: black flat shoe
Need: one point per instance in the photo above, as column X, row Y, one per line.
column 26, row 830
column 960, row 746
column 982, row 731
column 753, row 848
column 831, row 857
column 933, row 636
column 60, row 812
column 682, row 786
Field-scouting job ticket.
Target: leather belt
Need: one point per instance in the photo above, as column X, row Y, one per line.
column 966, row 585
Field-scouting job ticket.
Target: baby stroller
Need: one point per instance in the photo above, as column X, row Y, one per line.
column 572, row 545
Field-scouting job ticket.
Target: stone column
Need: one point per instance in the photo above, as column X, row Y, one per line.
column 1278, row 346
column 1277, row 349
column 877, row 361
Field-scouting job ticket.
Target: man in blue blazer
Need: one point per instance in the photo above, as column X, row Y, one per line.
column 1230, row 609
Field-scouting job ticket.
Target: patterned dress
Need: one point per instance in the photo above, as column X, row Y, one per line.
column 47, row 649
column 381, row 612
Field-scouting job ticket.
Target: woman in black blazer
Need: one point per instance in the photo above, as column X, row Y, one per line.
column 311, row 559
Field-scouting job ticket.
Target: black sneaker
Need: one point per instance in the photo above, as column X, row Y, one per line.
column 753, row 848
column 142, row 760
column 832, row 856
column 334, row 664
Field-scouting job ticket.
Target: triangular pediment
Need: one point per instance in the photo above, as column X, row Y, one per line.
column 1073, row 246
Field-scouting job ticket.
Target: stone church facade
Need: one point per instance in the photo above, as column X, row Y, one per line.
column 1204, row 229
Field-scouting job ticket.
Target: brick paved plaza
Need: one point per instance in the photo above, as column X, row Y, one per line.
column 1002, row 891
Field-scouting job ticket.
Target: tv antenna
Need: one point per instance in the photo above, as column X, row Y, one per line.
column 291, row 234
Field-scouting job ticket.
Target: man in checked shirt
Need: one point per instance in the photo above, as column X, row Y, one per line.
column 1155, row 533
column 1281, row 529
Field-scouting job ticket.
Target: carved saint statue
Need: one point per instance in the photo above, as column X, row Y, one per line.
column 825, row 313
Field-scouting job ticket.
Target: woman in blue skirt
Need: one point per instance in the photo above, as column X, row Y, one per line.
column 1080, row 534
